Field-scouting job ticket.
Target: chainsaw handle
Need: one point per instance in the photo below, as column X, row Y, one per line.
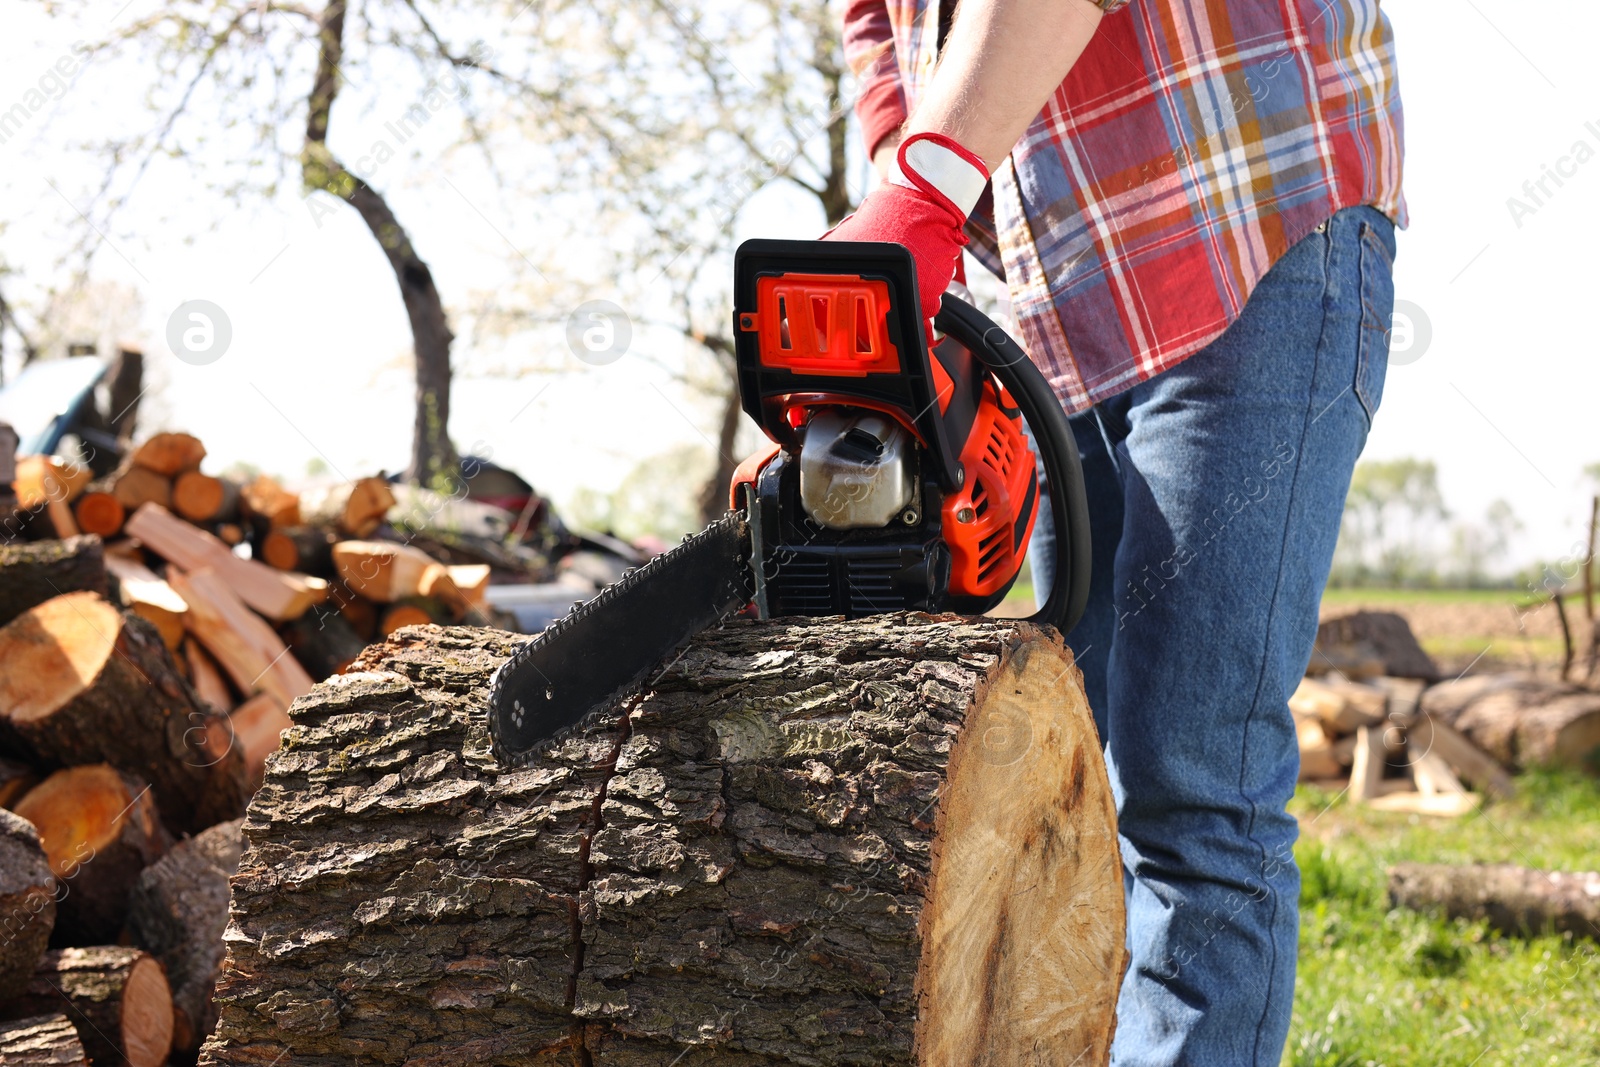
column 1058, row 449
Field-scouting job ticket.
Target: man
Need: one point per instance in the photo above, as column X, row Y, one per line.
column 1193, row 205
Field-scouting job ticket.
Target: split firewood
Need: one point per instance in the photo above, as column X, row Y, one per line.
column 206, row 677
column 300, row 548
column 276, row 594
column 27, row 903
column 1366, row 768
column 254, row 730
column 41, row 479
column 1339, row 705
column 36, row 571
column 907, row 817
column 323, row 641
column 1317, row 759
column 117, row 999
column 99, row 829
column 1466, row 759
column 383, row 570
column 86, row 683
column 149, row 597
column 246, row 647
column 1433, row 776
column 472, row 581
column 1413, row 802
column 169, row 454
column 99, row 513
column 204, row 497
column 355, row 509
column 177, row 913
column 134, row 486
column 41, row 1041
column 16, row 778
column 1515, row 900
column 1520, row 720
column 265, row 500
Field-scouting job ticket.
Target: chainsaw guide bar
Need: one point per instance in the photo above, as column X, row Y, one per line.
column 579, row 669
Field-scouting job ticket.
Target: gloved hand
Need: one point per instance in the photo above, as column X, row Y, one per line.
column 923, row 204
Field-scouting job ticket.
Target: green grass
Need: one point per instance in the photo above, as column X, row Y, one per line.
column 1382, row 987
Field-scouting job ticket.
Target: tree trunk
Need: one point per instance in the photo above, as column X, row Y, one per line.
column 178, row 913
column 86, row 683
column 41, row 1041
column 27, row 903
column 432, row 454
column 33, row 572
column 117, row 998
column 124, row 392
column 99, row 830
column 1520, row 720
column 889, row 841
column 714, row 495
column 1515, row 900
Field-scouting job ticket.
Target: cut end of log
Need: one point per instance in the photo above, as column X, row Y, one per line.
column 146, row 1014
column 80, row 811
column 55, row 651
column 100, row 513
column 1027, row 823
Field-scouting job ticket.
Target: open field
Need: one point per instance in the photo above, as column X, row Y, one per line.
column 1397, row 989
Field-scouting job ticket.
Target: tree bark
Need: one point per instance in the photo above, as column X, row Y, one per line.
column 1515, row 900
column 27, row 903
column 432, row 454
column 117, row 998
column 41, row 1041
column 85, row 683
column 178, row 913
column 889, row 841
column 1520, row 720
column 33, row 572
column 99, row 830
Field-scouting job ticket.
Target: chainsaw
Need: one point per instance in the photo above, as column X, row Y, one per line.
column 898, row 477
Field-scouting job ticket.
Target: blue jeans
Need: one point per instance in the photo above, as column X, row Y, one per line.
column 1215, row 491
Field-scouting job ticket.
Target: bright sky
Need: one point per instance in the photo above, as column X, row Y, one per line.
column 1496, row 92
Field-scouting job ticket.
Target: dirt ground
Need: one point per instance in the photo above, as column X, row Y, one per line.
column 1480, row 632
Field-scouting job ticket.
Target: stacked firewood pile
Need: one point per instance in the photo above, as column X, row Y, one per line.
column 147, row 661
column 1374, row 719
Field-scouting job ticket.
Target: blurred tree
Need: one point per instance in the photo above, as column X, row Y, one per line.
column 1388, row 526
column 230, row 85
column 1476, row 548
column 673, row 119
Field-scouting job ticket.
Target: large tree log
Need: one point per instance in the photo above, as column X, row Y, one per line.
column 41, row 1041
column 888, row 842
column 99, row 830
column 86, row 683
column 1519, row 719
column 117, row 998
column 33, row 572
column 27, row 903
column 1515, row 900
column 178, row 913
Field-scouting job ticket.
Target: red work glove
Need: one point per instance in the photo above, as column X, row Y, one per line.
column 922, row 204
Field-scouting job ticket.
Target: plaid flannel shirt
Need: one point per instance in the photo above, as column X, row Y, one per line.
column 1193, row 143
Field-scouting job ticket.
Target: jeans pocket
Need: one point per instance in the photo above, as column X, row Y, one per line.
column 1377, row 313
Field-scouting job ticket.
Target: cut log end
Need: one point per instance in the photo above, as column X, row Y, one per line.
column 1026, row 824
column 55, row 652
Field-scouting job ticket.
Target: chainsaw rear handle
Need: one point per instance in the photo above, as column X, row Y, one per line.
column 1043, row 414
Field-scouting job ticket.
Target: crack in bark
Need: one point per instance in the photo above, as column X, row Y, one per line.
column 580, row 1050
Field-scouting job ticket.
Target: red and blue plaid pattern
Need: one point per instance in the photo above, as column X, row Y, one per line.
column 1192, row 145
